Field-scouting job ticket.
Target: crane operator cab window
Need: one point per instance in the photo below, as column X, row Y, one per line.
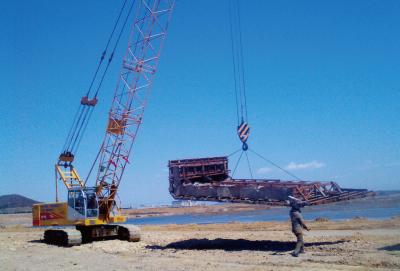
column 84, row 202
column 92, row 207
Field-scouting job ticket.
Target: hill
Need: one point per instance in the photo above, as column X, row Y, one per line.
column 14, row 203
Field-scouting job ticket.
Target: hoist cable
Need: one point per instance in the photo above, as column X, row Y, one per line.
column 81, row 108
column 84, row 123
column 242, row 60
column 238, row 60
column 74, row 148
column 106, row 48
column 235, row 25
column 243, row 128
column 233, row 60
column 86, row 111
column 115, row 47
column 71, row 129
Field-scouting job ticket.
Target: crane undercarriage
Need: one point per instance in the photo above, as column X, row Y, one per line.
column 79, row 220
column 69, row 236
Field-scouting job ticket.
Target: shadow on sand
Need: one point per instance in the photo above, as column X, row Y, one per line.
column 237, row 245
column 391, row 248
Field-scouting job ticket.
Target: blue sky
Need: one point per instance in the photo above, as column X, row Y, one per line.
column 322, row 77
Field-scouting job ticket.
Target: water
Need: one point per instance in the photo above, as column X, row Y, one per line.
column 372, row 208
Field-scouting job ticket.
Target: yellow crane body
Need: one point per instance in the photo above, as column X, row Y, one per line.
column 60, row 214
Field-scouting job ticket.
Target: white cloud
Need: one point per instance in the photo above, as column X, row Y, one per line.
column 264, row 170
column 310, row 165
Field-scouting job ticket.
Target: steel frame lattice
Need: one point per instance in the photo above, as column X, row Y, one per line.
column 125, row 117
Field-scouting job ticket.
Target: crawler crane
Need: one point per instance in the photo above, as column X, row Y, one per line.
column 91, row 212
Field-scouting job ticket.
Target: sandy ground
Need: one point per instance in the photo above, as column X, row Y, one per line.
column 351, row 245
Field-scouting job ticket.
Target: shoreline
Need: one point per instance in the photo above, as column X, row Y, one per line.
column 24, row 221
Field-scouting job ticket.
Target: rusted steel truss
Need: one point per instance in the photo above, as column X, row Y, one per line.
column 208, row 179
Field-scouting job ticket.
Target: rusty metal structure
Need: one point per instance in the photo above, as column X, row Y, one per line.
column 208, row 179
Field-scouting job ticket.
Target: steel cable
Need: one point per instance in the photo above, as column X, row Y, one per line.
column 76, row 121
column 275, row 165
column 238, row 61
column 248, row 163
column 83, row 125
column 237, row 163
column 234, row 61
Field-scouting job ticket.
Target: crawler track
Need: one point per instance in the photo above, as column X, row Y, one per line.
column 68, row 237
column 130, row 233
column 63, row 237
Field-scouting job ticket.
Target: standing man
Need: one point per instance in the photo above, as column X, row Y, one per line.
column 297, row 224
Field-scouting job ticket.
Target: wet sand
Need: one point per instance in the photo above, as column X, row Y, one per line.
column 356, row 244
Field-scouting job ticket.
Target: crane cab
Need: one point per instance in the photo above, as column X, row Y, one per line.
column 82, row 203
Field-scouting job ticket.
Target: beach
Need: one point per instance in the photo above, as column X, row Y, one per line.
column 355, row 244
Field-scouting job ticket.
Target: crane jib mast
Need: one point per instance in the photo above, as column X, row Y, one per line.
column 137, row 73
column 91, row 209
column 138, row 69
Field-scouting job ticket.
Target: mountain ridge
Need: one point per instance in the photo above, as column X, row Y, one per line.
column 15, row 203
